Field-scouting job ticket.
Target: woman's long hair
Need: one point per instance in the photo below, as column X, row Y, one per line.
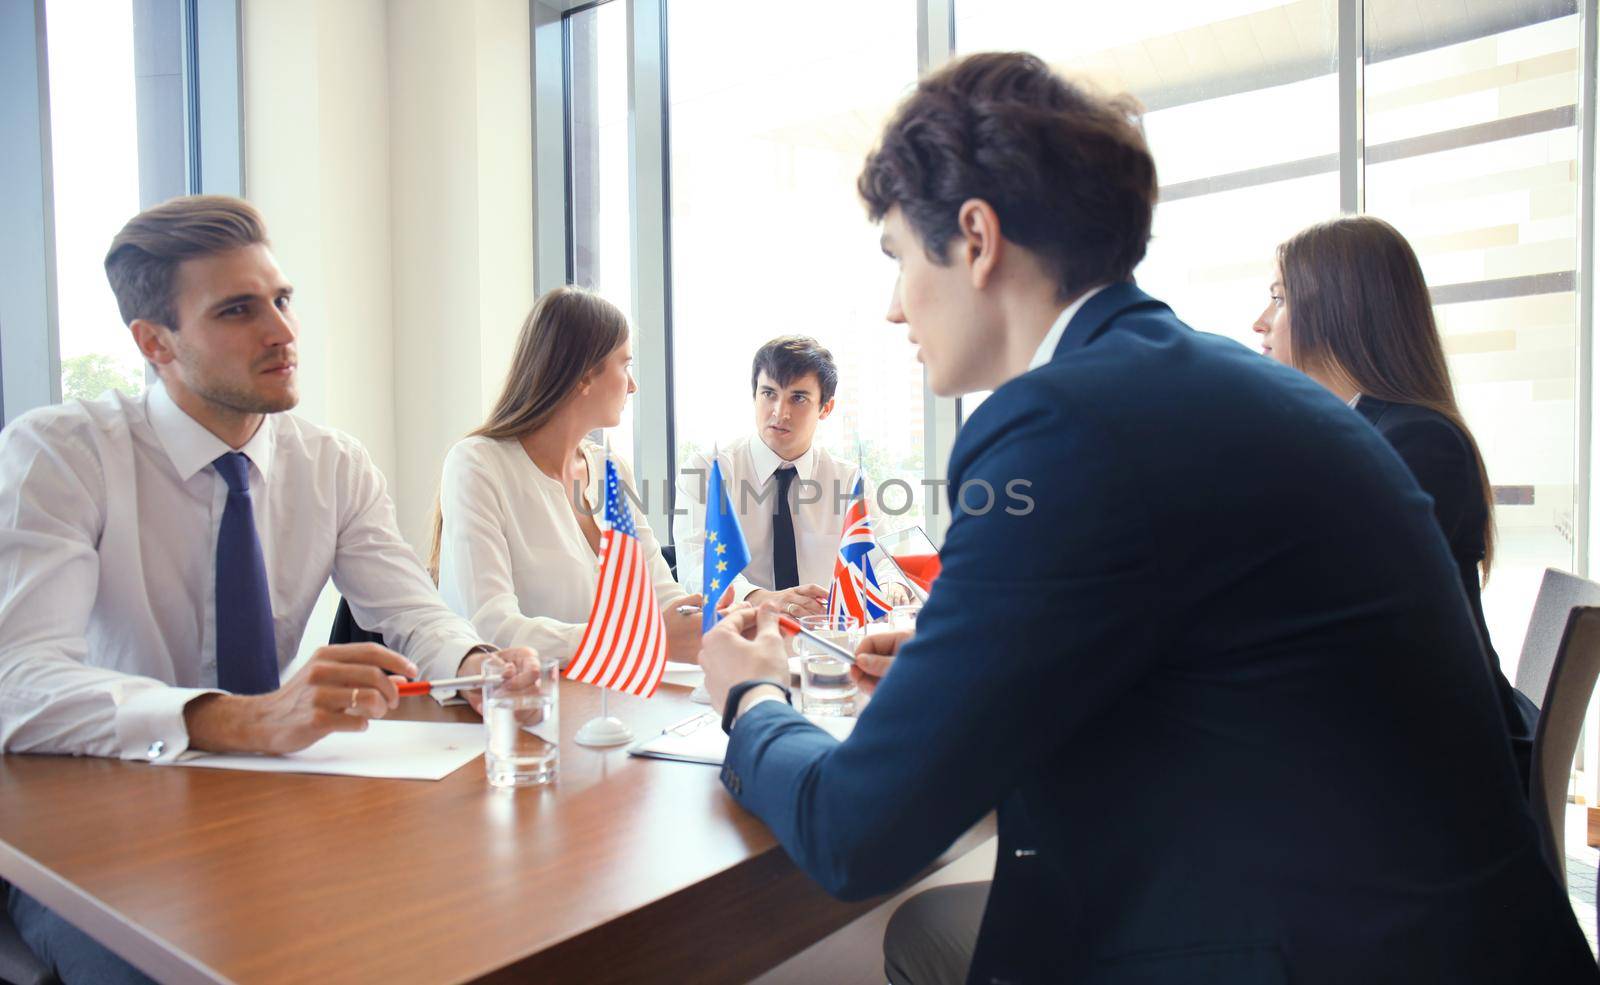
column 566, row 336
column 1360, row 312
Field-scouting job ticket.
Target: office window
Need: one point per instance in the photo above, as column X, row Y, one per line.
column 95, row 172
column 1241, row 113
column 112, row 125
column 599, row 236
column 1472, row 148
column 772, row 110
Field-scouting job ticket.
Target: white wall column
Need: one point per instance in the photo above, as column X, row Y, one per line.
column 462, row 206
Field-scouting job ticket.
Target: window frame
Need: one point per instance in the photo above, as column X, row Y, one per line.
column 655, row 435
column 209, row 115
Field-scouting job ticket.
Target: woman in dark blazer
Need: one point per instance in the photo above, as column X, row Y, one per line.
column 1363, row 327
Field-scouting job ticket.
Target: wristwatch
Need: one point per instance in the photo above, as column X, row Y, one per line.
column 730, row 708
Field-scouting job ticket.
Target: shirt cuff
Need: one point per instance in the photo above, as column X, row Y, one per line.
column 150, row 724
column 451, row 697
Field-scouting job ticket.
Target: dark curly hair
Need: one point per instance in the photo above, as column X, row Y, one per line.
column 1067, row 171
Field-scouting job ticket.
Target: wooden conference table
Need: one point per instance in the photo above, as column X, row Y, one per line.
column 626, row 870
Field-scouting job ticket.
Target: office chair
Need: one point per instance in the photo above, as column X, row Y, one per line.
column 347, row 630
column 1558, row 594
column 1566, row 700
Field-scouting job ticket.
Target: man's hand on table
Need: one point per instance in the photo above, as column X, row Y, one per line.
column 802, row 600
column 744, row 646
column 875, row 655
column 338, row 690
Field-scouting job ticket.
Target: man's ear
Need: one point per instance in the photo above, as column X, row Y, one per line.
column 826, row 409
column 978, row 242
column 154, row 341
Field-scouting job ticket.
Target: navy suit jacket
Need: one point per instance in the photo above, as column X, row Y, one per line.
column 1217, row 676
column 1444, row 465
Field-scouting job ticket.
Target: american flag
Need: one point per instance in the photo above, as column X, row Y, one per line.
column 855, row 586
column 624, row 647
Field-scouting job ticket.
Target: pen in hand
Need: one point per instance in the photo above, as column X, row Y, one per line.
column 448, row 683
column 789, row 625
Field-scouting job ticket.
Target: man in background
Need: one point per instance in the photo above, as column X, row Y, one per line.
column 790, row 493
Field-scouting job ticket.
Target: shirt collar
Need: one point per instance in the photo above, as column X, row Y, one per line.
column 1052, row 338
column 190, row 446
column 766, row 461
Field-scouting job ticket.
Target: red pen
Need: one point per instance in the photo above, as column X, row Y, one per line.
column 792, row 626
column 449, row 683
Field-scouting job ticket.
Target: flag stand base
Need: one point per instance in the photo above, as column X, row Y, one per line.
column 604, row 731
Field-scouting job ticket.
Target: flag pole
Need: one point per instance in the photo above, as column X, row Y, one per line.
column 604, row 730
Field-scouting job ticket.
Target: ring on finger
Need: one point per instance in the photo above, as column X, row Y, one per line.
column 355, row 692
column 789, row 608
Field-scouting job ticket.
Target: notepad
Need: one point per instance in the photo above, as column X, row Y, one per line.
column 700, row 739
column 387, row 749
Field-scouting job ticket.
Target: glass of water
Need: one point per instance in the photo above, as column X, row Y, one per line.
column 904, row 616
column 520, row 708
column 826, row 687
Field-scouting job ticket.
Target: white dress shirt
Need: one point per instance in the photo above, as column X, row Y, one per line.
column 1052, row 338
column 109, row 511
column 821, row 497
column 513, row 558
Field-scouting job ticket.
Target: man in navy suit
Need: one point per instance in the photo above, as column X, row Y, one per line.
column 1219, row 681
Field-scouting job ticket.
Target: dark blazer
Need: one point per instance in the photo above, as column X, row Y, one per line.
column 1208, row 655
column 1444, row 465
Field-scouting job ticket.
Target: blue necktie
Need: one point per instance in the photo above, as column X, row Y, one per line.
column 247, row 653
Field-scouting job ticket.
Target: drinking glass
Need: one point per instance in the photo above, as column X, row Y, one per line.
column 826, row 688
column 521, row 710
column 904, row 616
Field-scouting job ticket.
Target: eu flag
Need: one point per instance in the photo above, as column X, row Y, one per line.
column 726, row 553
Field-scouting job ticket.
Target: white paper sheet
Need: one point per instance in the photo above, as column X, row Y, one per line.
column 388, row 749
column 700, row 739
column 683, row 675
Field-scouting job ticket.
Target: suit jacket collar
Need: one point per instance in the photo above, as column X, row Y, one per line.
column 1372, row 408
column 1097, row 314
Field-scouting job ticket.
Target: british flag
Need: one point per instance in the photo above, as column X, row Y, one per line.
column 855, row 586
column 624, row 647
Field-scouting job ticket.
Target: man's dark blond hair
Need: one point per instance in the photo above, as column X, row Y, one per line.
column 142, row 263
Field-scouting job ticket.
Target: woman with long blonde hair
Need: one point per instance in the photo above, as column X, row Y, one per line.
column 516, row 539
column 1362, row 325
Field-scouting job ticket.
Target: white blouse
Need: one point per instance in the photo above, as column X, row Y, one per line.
column 513, row 559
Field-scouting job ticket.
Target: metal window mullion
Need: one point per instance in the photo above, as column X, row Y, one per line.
column 214, row 77
column 549, row 105
column 1583, row 508
column 654, row 442
column 30, row 353
column 941, row 416
column 1352, row 109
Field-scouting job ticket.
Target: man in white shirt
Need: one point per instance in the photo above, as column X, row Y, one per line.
column 790, row 495
column 160, row 554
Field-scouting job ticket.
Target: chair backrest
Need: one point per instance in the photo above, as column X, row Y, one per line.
column 347, row 630
column 1558, row 593
column 1566, row 701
